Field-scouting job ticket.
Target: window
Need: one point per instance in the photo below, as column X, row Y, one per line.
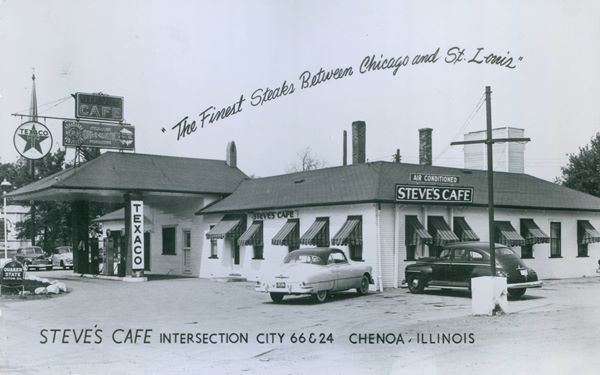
column 527, row 251
column 258, row 252
column 355, row 252
column 187, row 239
column 555, row 240
column 168, row 240
column 461, row 255
column 476, row 256
column 582, row 250
column 410, row 252
column 213, row 246
column 337, row 257
column 445, row 254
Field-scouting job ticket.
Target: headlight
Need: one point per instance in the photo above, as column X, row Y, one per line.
column 501, row 273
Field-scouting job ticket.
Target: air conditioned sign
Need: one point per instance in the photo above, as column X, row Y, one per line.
column 137, row 235
column 422, row 193
column 433, row 178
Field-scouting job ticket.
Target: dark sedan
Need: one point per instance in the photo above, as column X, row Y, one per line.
column 458, row 263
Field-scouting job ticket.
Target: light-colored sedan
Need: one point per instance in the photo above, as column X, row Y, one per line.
column 318, row 272
column 62, row 257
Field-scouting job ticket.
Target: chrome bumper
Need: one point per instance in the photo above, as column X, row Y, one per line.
column 530, row 284
column 288, row 289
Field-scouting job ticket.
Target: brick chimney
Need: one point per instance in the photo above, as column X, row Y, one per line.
column 425, row 152
column 231, row 157
column 358, row 142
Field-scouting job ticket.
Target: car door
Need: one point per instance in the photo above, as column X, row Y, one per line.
column 342, row 270
column 460, row 270
column 440, row 268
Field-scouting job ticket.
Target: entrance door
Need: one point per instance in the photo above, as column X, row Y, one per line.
column 235, row 255
column 187, row 251
column 147, row 251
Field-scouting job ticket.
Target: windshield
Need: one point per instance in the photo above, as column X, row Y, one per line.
column 303, row 258
column 63, row 250
column 504, row 251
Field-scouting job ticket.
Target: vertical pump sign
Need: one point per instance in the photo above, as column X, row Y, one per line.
column 137, row 235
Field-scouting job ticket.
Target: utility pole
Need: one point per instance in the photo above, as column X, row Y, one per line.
column 490, row 170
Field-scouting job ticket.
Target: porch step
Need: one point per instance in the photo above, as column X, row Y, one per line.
column 231, row 278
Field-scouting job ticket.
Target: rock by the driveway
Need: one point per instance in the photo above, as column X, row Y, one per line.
column 41, row 290
column 53, row 289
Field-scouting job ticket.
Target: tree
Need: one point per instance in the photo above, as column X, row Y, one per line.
column 52, row 218
column 305, row 161
column 583, row 170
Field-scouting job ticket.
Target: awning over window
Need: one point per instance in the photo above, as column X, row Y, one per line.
column 463, row 230
column 349, row 234
column 532, row 233
column 317, row 234
column 229, row 228
column 507, row 235
column 442, row 234
column 288, row 235
column 253, row 236
column 416, row 232
column 586, row 233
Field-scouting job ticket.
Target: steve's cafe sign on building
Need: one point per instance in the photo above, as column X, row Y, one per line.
column 433, row 193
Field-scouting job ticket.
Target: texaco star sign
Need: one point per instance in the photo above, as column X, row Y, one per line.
column 32, row 140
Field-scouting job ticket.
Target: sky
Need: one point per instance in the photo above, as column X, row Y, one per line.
column 172, row 59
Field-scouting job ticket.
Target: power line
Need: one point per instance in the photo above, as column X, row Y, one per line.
column 465, row 124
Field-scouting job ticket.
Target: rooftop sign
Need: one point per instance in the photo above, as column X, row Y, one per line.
column 445, row 194
column 99, row 135
column 99, row 107
column 433, row 178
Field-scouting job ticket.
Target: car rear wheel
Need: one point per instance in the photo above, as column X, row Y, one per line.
column 415, row 284
column 516, row 293
column 49, row 268
column 320, row 296
column 276, row 297
column 363, row 289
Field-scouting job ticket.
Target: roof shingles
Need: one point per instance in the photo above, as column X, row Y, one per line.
column 375, row 182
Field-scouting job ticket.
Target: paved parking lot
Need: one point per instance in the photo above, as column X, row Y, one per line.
column 551, row 330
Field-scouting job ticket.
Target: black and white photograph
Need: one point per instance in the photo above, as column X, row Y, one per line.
column 299, row 187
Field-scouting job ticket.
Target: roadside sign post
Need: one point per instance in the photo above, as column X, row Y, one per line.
column 489, row 141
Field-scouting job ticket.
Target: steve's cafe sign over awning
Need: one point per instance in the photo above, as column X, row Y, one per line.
column 433, row 193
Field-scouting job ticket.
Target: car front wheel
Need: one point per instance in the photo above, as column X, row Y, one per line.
column 415, row 284
column 516, row 293
column 363, row 289
column 320, row 296
column 276, row 297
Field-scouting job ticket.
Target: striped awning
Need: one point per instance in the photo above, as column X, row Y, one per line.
column 586, row 232
column 532, row 233
column 253, row 236
column 442, row 234
column 229, row 228
column 317, row 234
column 507, row 235
column 349, row 234
column 416, row 232
column 463, row 230
column 288, row 235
